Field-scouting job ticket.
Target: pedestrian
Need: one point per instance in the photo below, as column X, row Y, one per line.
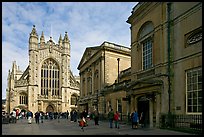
column 110, row 117
column 29, row 117
column 67, row 114
column 75, row 116
column 82, row 123
column 131, row 118
column 41, row 117
column 71, row 114
column 135, row 120
column 116, row 119
column 96, row 117
column 13, row 116
column 142, row 119
column 37, row 117
column 84, row 114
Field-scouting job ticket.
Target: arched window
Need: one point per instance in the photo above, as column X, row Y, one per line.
column 146, row 39
column 23, row 99
column 50, row 77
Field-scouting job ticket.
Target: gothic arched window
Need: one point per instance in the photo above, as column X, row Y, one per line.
column 23, row 99
column 50, row 77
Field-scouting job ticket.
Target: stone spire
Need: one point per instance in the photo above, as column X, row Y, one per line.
column 60, row 41
column 66, row 39
column 14, row 69
column 42, row 39
column 33, row 40
column 33, row 32
column 66, row 44
column 9, row 73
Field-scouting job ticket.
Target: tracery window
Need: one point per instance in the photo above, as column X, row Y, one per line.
column 50, row 77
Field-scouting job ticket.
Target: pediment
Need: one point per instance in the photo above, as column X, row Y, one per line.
column 89, row 52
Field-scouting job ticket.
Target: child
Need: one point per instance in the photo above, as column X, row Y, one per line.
column 82, row 123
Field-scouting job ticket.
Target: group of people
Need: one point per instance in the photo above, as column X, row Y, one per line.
column 114, row 117
column 39, row 116
column 135, row 119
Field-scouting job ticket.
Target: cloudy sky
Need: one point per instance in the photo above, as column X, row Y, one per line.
column 87, row 23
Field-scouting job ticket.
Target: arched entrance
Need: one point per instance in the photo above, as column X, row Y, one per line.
column 49, row 108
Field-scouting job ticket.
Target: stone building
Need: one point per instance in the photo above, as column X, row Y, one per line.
column 100, row 67
column 47, row 84
column 166, row 59
column 116, row 97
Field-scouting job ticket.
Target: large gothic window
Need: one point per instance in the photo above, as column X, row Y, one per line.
column 50, row 78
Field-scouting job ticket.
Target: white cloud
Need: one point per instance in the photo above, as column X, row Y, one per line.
column 87, row 23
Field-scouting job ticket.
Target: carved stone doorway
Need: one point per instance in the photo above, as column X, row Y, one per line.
column 49, row 108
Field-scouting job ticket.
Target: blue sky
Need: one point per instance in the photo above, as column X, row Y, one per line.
column 87, row 24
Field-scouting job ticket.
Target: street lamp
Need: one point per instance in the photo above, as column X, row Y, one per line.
column 118, row 59
column 97, row 101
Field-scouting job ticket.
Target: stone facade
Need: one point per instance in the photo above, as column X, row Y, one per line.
column 166, row 46
column 99, row 69
column 47, row 84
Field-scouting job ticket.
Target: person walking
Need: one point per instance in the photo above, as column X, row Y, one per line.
column 110, row 117
column 82, row 123
column 29, row 117
column 41, row 116
column 14, row 116
column 135, row 120
column 96, row 117
column 116, row 119
column 142, row 119
column 67, row 114
column 37, row 117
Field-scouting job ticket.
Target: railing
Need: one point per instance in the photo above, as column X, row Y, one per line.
column 185, row 123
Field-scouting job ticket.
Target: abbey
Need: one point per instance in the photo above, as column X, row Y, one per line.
column 47, row 84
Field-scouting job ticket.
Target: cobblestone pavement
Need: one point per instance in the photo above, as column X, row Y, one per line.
column 66, row 127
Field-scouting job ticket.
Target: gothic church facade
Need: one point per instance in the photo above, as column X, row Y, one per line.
column 47, row 84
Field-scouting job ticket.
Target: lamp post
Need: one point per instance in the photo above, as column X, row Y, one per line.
column 97, row 101
column 118, row 59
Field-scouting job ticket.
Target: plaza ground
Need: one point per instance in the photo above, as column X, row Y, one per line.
column 67, row 127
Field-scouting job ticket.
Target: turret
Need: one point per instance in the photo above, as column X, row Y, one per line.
column 9, row 74
column 14, row 69
column 33, row 40
column 66, row 44
column 42, row 40
column 60, row 41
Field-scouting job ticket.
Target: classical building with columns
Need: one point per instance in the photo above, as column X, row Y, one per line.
column 166, row 61
column 100, row 67
column 47, row 84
